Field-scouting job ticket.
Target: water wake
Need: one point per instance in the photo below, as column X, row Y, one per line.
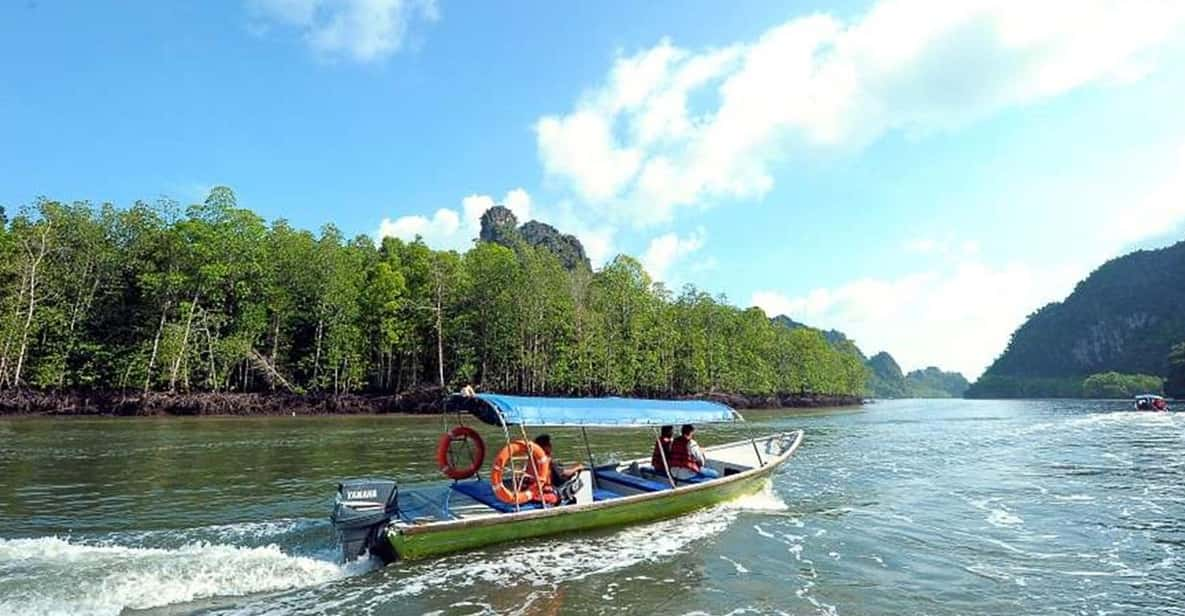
column 538, row 564
column 50, row 575
column 574, row 557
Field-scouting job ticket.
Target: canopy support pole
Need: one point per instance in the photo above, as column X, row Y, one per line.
column 757, row 450
column 592, row 465
column 534, row 466
column 666, row 466
column 506, row 431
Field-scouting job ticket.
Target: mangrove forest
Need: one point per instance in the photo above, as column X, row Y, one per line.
column 155, row 297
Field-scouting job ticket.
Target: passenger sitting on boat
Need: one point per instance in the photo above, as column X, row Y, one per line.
column 687, row 459
column 662, row 450
column 555, row 474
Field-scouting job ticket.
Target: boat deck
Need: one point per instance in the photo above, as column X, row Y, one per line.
column 474, row 498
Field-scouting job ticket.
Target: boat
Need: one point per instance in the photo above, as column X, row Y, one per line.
column 1151, row 402
column 373, row 516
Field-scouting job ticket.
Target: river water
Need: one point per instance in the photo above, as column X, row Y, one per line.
column 904, row 507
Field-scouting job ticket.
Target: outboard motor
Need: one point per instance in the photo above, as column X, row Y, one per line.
column 361, row 512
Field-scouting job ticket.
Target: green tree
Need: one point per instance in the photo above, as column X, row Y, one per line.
column 383, row 299
column 211, row 298
column 1116, row 385
column 494, row 279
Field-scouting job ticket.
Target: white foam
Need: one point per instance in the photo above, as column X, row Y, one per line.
column 237, row 533
column 1074, row 498
column 1003, row 518
column 763, row 500
column 541, row 564
column 547, row 563
column 741, row 569
column 50, row 575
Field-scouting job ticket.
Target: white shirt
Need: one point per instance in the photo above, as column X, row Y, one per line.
column 697, row 454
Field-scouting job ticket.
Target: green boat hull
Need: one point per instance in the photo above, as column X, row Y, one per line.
column 411, row 543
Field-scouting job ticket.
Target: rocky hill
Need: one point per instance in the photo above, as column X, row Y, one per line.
column 888, row 381
column 885, row 379
column 835, row 337
column 1125, row 317
column 500, row 226
column 934, row 383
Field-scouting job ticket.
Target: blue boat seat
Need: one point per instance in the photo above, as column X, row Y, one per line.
column 648, row 470
column 600, row 495
column 633, row 481
column 483, row 492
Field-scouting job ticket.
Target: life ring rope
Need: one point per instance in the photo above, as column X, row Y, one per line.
column 523, row 489
column 446, row 460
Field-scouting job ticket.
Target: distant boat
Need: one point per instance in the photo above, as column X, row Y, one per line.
column 372, row 515
column 1151, row 402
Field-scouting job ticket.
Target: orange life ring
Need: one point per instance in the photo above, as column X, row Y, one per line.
column 524, row 488
column 445, row 462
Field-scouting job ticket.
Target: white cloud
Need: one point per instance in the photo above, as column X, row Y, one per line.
column 456, row 229
column 958, row 318
column 1154, row 217
column 361, row 30
column 637, row 148
column 922, row 246
column 961, row 316
column 440, row 230
column 598, row 243
column 473, row 206
column 581, row 147
column 667, row 249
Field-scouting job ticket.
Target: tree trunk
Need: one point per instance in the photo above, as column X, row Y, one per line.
column 184, row 346
column 269, row 371
column 317, row 354
column 390, row 360
column 399, row 376
column 211, row 377
column 440, row 339
column 275, row 345
column 155, row 345
column 415, row 366
column 35, row 262
column 8, row 342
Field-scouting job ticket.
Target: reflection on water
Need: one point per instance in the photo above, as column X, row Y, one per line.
column 942, row 507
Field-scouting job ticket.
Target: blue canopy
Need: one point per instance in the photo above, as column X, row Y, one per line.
column 605, row 412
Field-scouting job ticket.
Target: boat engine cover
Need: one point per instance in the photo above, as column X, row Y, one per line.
column 362, row 509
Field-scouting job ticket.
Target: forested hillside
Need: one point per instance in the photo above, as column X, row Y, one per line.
column 1125, row 317
column 211, row 298
column 932, row 382
column 885, row 378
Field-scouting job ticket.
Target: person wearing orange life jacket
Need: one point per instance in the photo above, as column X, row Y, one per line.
column 662, row 450
column 552, row 473
column 687, row 460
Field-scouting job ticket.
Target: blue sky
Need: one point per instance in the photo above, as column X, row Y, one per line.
column 920, row 175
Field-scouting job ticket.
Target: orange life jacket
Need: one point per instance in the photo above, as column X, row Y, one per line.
column 681, row 454
column 661, row 454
